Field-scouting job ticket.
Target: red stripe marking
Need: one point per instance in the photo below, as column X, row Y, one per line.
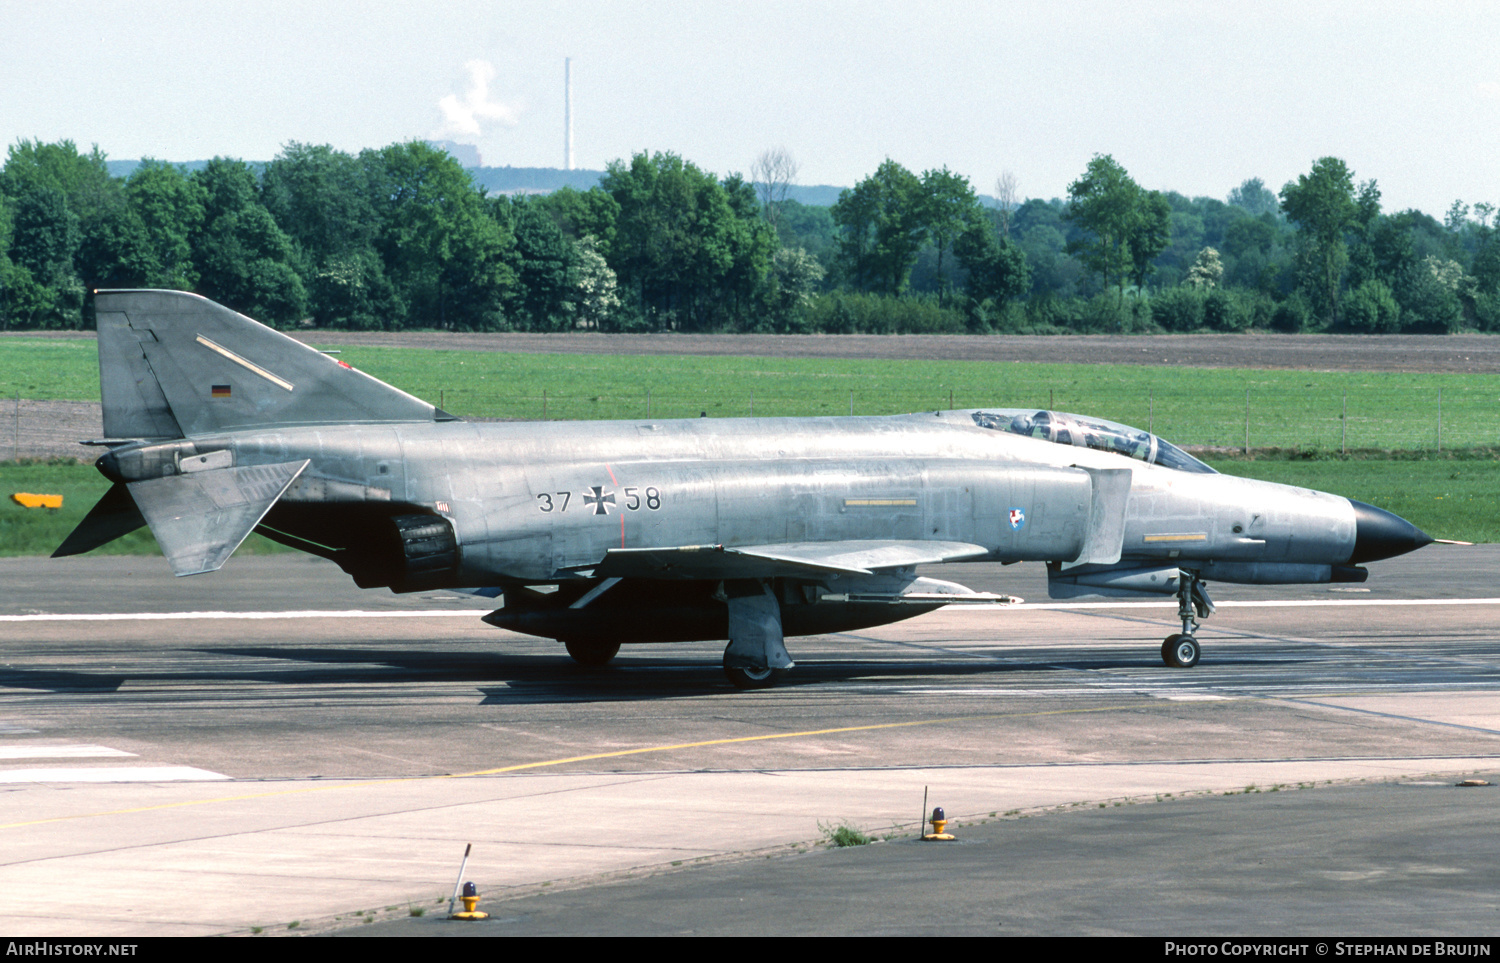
column 614, row 482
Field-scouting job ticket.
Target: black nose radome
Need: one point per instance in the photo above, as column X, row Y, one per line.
column 1381, row 534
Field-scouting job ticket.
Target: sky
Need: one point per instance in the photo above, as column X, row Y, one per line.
column 1188, row 96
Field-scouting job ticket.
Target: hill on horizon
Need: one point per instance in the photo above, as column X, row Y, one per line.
column 539, row 180
column 517, row 180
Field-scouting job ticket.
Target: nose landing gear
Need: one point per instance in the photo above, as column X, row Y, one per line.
column 1181, row 650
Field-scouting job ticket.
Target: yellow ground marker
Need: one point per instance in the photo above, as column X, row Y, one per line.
column 28, row 500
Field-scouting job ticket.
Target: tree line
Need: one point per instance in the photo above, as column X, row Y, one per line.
column 400, row 237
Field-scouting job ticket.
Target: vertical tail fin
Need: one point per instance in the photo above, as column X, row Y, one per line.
column 173, row 364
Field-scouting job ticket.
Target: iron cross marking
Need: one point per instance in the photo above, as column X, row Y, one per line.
column 599, row 500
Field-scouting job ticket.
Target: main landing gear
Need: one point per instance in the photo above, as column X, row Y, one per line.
column 748, row 677
column 756, row 657
column 1181, row 650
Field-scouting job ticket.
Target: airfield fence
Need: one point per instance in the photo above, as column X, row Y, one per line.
column 1322, row 418
column 1369, row 418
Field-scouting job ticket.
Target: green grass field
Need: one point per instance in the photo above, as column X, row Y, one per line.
column 49, row 370
column 1190, row 406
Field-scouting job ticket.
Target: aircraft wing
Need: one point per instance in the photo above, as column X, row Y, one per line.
column 862, row 557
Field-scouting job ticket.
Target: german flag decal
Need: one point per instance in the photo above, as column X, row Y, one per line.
column 221, row 391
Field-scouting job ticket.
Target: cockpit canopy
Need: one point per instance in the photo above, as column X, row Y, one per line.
column 1062, row 428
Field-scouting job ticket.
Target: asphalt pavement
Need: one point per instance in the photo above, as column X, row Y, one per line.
column 311, row 754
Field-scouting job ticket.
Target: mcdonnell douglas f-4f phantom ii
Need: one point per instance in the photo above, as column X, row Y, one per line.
column 599, row 533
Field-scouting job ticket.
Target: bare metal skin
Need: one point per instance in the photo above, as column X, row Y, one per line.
column 598, row 533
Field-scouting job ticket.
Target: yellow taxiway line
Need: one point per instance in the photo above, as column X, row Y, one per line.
column 541, row 764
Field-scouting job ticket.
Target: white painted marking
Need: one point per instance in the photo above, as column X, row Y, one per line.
column 978, row 691
column 1191, row 697
column 61, row 752
column 112, row 774
column 310, row 614
column 1267, row 603
column 1294, row 603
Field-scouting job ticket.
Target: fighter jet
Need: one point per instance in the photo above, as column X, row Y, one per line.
column 601, row 533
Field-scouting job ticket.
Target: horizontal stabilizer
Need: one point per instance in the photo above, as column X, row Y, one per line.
column 200, row 518
column 113, row 516
column 804, row 559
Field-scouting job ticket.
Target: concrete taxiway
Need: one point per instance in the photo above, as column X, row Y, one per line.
column 268, row 744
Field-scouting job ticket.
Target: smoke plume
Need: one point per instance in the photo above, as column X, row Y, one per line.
column 466, row 115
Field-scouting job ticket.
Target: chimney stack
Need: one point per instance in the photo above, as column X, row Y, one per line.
column 568, row 113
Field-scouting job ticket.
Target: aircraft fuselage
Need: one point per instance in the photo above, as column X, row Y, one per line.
column 536, row 502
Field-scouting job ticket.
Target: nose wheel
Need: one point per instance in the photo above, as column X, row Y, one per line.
column 1181, row 650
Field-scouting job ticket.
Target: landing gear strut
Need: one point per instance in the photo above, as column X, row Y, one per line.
column 755, row 657
column 1181, row 650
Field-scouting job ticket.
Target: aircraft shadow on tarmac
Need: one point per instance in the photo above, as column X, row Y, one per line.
column 555, row 678
column 547, row 678
column 56, row 680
